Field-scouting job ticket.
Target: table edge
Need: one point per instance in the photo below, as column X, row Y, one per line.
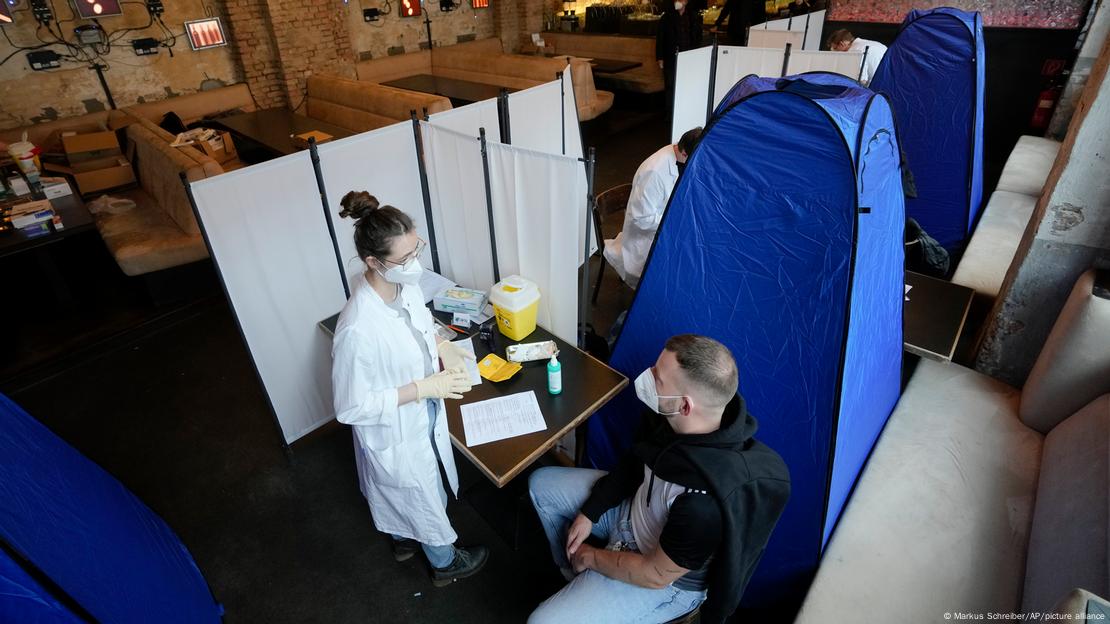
column 543, row 448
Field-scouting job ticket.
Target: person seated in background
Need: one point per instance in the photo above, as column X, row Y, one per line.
column 651, row 190
column 842, row 40
column 686, row 512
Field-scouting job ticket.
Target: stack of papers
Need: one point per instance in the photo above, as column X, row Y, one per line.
column 501, row 418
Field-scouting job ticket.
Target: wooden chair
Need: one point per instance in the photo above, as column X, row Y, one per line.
column 607, row 204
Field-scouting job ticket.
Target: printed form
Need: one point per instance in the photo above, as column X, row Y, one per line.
column 501, row 418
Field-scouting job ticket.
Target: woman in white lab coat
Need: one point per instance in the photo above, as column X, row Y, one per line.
column 389, row 387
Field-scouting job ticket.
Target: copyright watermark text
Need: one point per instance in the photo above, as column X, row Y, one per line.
column 964, row 616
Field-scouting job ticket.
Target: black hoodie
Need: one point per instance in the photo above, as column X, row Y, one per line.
column 749, row 481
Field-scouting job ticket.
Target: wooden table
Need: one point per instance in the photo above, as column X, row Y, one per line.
column 273, row 128
column 934, row 315
column 588, row 384
column 613, row 66
column 458, row 91
column 75, row 219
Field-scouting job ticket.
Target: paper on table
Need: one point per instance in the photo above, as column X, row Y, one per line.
column 471, row 365
column 501, row 418
column 432, row 283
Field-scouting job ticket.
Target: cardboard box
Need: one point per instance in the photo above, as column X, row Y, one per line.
column 118, row 172
column 221, row 148
column 90, row 146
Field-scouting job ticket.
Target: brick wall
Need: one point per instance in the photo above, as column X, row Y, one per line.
column 516, row 20
column 282, row 42
column 392, row 34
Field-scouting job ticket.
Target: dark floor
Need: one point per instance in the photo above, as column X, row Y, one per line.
column 173, row 409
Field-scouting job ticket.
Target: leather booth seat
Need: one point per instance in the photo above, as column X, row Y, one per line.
column 360, row 106
column 484, row 60
column 980, row 498
column 1002, row 223
column 648, row 78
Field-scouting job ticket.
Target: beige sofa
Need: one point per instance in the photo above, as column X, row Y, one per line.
column 485, row 61
column 160, row 231
column 197, row 106
column 648, row 78
column 360, row 106
column 1003, row 221
column 981, row 498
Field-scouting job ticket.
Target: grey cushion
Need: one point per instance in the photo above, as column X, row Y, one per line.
column 1074, row 364
column 1069, row 540
column 1028, row 166
column 940, row 517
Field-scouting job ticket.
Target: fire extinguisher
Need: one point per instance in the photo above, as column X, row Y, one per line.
column 1046, row 103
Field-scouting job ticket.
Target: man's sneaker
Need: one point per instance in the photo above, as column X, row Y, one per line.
column 404, row 549
column 468, row 561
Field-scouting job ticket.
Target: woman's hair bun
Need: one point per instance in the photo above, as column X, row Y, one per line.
column 357, row 204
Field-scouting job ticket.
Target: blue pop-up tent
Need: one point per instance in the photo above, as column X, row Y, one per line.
column 77, row 546
column 933, row 74
column 783, row 240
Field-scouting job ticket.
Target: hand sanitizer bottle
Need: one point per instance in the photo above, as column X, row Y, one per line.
column 554, row 375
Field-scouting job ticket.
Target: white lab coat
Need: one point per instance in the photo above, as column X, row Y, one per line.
column 373, row 355
column 651, row 189
column 875, row 53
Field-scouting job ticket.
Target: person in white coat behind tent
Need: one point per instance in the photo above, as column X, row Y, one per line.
column 389, row 387
column 651, row 190
column 844, row 41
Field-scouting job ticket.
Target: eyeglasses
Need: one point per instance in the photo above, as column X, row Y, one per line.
column 409, row 257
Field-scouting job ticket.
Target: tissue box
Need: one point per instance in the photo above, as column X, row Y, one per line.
column 460, row 300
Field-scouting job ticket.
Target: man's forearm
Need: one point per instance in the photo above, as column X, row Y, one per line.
column 629, row 567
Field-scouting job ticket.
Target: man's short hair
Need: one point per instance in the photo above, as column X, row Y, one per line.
column 841, row 35
column 708, row 364
column 689, row 140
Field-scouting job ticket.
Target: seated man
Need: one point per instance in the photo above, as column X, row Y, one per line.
column 844, row 41
column 687, row 511
column 651, row 190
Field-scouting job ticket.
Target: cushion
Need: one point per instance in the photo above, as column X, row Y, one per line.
column 994, row 243
column 1028, row 166
column 940, row 517
column 1074, row 364
column 142, row 238
column 1068, row 543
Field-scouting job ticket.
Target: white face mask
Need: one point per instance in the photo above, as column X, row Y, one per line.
column 408, row 274
column 678, row 6
column 646, row 392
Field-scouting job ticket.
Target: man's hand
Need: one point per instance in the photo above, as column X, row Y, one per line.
column 583, row 558
column 578, row 532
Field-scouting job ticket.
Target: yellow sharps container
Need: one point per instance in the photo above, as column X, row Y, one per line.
column 515, row 303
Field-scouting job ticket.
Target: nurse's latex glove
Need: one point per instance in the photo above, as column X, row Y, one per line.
column 454, row 356
column 448, row 384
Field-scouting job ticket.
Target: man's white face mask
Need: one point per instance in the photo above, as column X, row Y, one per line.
column 646, row 392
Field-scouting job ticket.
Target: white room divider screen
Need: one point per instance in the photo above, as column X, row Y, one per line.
column 539, row 204
column 734, row 63
column 382, row 162
column 264, row 226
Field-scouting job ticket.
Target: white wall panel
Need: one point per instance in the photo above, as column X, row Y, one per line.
column 691, row 90
column 776, row 39
column 845, row 63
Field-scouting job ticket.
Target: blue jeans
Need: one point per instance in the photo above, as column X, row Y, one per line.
column 557, row 494
column 438, row 556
